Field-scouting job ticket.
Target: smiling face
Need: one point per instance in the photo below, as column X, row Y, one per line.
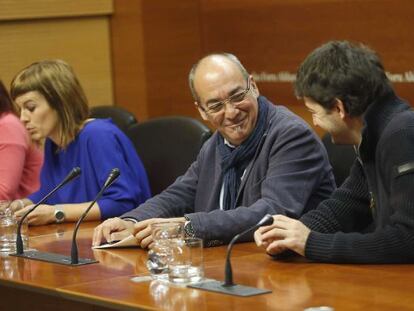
column 343, row 129
column 39, row 118
column 215, row 80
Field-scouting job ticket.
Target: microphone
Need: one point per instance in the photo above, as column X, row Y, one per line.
column 114, row 174
column 267, row 220
column 75, row 172
column 228, row 287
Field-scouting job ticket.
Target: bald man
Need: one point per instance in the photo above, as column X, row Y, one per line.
column 262, row 159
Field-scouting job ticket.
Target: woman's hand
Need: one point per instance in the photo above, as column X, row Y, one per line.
column 43, row 214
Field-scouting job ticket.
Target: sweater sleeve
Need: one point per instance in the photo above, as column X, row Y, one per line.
column 107, row 150
column 392, row 242
column 11, row 168
column 13, row 147
column 346, row 210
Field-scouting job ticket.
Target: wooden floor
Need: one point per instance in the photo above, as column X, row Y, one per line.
column 116, row 281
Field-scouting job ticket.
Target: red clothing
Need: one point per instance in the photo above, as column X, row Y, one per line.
column 20, row 160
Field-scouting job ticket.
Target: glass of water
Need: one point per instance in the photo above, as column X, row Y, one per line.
column 187, row 263
column 163, row 234
column 8, row 229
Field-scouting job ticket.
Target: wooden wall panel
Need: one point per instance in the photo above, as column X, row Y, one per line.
column 275, row 36
column 171, row 45
column 271, row 37
column 33, row 9
column 129, row 67
column 82, row 42
column 154, row 45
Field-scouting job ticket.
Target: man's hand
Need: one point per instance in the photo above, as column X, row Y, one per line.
column 284, row 233
column 42, row 215
column 116, row 229
column 142, row 230
column 112, row 229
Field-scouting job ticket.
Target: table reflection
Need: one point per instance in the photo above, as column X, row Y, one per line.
column 288, row 289
column 168, row 296
column 13, row 267
column 122, row 259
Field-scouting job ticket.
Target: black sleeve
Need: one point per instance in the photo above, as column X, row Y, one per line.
column 393, row 242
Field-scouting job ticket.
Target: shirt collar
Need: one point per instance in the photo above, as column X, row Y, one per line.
column 226, row 142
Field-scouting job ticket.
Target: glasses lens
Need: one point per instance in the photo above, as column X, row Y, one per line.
column 236, row 98
column 214, row 108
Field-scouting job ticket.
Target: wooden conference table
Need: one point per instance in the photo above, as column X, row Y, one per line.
column 109, row 284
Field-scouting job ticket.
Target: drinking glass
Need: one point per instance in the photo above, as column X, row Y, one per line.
column 186, row 264
column 163, row 234
column 8, row 228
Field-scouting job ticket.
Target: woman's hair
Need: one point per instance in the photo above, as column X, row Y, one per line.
column 342, row 70
column 57, row 82
column 5, row 101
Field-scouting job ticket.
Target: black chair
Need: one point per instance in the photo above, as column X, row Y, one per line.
column 167, row 146
column 341, row 157
column 120, row 116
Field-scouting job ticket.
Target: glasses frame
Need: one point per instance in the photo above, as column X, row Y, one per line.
column 229, row 100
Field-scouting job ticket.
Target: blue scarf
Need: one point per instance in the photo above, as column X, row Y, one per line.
column 235, row 160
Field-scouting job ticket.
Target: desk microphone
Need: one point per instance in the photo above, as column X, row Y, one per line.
column 75, row 172
column 114, row 174
column 267, row 220
column 228, row 287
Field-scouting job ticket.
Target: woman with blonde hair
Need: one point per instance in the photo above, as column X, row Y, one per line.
column 53, row 106
column 20, row 160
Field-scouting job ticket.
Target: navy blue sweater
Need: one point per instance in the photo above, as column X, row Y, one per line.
column 370, row 218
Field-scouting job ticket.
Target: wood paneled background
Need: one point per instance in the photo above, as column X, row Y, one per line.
column 77, row 31
column 271, row 38
column 137, row 53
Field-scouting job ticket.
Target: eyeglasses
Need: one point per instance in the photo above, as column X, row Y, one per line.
column 235, row 100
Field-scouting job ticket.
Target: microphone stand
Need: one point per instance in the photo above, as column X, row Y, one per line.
column 228, row 287
column 74, row 250
column 62, row 259
column 76, row 171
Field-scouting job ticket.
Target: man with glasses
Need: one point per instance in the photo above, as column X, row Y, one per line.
column 262, row 159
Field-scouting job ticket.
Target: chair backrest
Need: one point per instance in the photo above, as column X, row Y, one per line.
column 341, row 157
column 167, row 146
column 120, row 116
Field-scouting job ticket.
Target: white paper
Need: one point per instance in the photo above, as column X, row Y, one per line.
column 129, row 241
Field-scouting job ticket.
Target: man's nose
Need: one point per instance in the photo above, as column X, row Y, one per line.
column 230, row 109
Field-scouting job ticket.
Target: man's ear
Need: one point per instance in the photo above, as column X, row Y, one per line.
column 254, row 87
column 201, row 111
column 339, row 107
